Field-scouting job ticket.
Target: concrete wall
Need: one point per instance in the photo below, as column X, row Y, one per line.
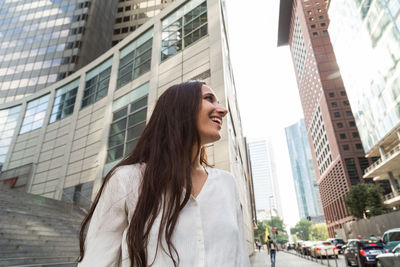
column 366, row 227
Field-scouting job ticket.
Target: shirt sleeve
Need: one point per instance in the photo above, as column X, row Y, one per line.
column 109, row 220
column 243, row 253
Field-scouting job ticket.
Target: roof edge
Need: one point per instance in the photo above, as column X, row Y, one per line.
column 285, row 16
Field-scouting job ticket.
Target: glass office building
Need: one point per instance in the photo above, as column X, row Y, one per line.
column 366, row 40
column 42, row 42
column 305, row 182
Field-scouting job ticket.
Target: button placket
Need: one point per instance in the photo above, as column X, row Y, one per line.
column 199, row 235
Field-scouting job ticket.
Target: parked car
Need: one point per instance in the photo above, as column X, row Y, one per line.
column 290, row 245
column 337, row 242
column 363, row 252
column 306, row 247
column 391, row 259
column 391, row 238
column 323, row 249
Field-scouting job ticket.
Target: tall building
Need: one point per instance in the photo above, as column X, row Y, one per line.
column 337, row 152
column 265, row 180
column 63, row 139
column 366, row 39
column 132, row 14
column 305, row 183
column 42, row 42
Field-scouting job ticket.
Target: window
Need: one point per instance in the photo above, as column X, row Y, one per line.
column 124, row 30
column 346, row 147
column 336, row 114
column 8, row 124
column 313, row 26
column 309, row 12
column 334, row 104
column 346, row 103
column 134, row 63
column 331, row 94
column 96, row 87
column 352, row 171
column 126, row 18
column 339, row 125
column 359, row 146
column 355, row 134
column 315, row 33
column 132, row 28
column 311, row 19
column 323, row 24
column 349, row 113
column 321, row 17
column 342, row 136
column 35, row 113
column 120, row 9
column 118, row 20
column 126, row 128
column 342, row 93
column 127, row 8
column 64, row 101
column 352, row 124
column 191, row 26
column 117, row 31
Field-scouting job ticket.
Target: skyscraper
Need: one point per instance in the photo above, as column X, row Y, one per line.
column 132, row 14
column 42, row 42
column 305, row 183
column 338, row 155
column 369, row 31
column 63, row 139
column 266, row 187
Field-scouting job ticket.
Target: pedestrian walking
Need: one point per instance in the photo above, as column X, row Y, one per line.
column 258, row 244
column 272, row 249
column 163, row 205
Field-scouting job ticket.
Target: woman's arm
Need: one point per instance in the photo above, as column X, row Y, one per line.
column 104, row 236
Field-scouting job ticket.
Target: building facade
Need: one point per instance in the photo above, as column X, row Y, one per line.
column 305, row 183
column 369, row 31
column 266, row 187
column 64, row 138
column 42, row 42
column 132, row 14
column 338, row 156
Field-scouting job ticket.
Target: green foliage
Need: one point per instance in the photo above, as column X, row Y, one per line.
column 259, row 233
column 275, row 222
column 320, row 232
column 302, row 229
column 365, row 200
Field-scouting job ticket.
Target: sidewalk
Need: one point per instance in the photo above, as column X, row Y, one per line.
column 261, row 259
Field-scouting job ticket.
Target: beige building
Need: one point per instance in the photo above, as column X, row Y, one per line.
column 61, row 141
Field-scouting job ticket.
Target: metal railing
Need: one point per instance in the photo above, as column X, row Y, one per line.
column 391, row 195
column 83, row 206
column 381, row 160
column 312, row 256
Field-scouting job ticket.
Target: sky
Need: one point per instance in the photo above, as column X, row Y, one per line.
column 266, row 85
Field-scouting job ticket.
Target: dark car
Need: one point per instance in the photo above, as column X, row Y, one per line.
column 363, row 252
column 391, row 259
column 339, row 243
column 290, row 245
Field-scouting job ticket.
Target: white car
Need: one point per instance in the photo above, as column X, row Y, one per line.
column 324, row 249
column 391, row 259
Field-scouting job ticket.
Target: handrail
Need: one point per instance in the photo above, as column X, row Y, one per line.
column 391, row 195
column 83, row 208
column 379, row 161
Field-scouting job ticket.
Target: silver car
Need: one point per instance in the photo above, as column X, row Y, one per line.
column 391, row 259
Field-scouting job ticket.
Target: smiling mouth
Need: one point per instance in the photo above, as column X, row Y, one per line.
column 217, row 120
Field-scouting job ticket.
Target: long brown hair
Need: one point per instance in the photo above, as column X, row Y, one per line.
column 167, row 147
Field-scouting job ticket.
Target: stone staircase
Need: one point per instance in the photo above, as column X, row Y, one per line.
column 37, row 231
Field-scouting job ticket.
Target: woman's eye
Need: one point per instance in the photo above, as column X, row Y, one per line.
column 209, row 98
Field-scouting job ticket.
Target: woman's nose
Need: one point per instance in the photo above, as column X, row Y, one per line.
column 222, row 111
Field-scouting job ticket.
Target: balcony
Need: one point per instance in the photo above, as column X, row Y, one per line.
column 391, row 199
column 380, row 168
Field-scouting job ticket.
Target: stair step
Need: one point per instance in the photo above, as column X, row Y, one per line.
column 36, row 260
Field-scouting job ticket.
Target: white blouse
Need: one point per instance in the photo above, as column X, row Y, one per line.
column 209, row 231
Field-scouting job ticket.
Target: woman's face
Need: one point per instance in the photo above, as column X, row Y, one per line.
column 209, row 120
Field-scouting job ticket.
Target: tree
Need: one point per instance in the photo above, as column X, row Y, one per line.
column 319, row 231
column 259, row 233
column 365, row 200
column 302, row 229
column 277, row 223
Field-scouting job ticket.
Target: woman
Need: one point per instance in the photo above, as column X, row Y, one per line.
column 163, row 205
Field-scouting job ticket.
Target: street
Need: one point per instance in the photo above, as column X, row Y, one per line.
column 285, row 259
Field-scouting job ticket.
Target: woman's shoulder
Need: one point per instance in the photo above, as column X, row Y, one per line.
column 222, row 175
column 128, row 174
